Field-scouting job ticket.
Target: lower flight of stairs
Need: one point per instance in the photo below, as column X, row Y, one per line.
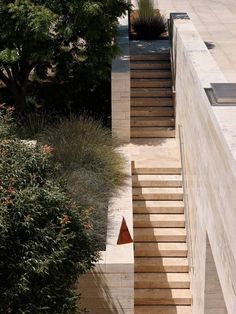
column 161, row 279
column 152, row 110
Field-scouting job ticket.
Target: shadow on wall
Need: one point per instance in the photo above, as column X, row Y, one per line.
column 210, row 45
column 148, row 46
column 105, row 292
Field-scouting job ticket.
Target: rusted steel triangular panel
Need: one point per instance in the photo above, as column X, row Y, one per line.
column 124, row 235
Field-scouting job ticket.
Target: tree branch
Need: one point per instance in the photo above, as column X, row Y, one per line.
column 8, row 71
column 4, row 78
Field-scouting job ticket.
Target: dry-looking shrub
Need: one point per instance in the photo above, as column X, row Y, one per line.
column 90, row 164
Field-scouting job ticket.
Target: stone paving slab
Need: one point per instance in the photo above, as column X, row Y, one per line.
column 215, row 20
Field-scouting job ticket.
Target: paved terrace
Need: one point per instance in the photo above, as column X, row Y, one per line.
column 215, row 20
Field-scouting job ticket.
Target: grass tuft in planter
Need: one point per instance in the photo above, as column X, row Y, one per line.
column 149, row 25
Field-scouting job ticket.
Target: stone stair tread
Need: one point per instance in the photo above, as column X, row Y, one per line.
column 154, row 193
column 152, row 109
column 159, row 264
column 161, row 280
column 157, row 131
column 159, row 217
column 142, row 234
column 165, row 64
column 151, row 92
column 159, row 220
column 151, row 89
column 154, row 180
column 143, row 83
column 160, row 249
column 158, row 207
column 152, row 122
column 152, row 167
column 162, row 309
column 150, row 112
column 151, row 102
column 157, row 190
column 162, row 296
column 150, row 74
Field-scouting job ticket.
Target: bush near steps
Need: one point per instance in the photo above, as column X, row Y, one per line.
column 45, row 239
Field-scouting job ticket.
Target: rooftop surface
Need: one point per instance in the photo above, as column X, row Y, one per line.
column 215, row 20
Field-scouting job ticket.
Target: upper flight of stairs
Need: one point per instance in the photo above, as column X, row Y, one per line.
column 152, row 110
column 161, row 279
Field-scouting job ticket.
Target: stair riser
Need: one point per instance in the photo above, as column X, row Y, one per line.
column 158, row 197
column 159, row 238
column 158, row 134
column 161, row 285
column 157, row 184
column 159, row 224
column 160, row 269
column 158, row 210
column 150, row 57
column 153, row 123
column 163, row 309
column 150, row 74
column 149, row 102
column 161, row 113
column 150, row 83
column 156, row 170
column 150, row 66
column 160, row 253
column 167, row 301
column 150, row 93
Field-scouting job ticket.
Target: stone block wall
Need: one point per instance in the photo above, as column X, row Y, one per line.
column 120, row 78
column 109, row 287
column 209, row 168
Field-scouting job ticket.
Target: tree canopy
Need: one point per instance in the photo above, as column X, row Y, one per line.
column 38, row 34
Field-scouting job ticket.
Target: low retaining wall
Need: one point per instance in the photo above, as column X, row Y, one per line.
column 109, row 288
column 120, row 78
column 210, row 171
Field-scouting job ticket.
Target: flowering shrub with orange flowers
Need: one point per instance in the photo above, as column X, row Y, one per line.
column 45, row 241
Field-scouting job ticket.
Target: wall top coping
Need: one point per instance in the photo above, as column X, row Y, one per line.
column 207, row 72
column 121, row 64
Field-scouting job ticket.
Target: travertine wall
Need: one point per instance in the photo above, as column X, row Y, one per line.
column 120, row 85
column 210, row 168
column 214, row 300
column 109, row 288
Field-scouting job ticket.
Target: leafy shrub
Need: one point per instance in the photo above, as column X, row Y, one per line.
column 7, row 124
column 90, row 164
column 148, row 25
column 45, row 238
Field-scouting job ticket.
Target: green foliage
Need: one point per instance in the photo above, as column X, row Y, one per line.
column 45, row 239
column 32, row 123
column 7, row 124
column 35, row 33
column 90, row 164
column 149, row 25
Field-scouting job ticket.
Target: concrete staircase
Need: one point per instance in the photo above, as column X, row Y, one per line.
column 152, row 111
column 161, row 279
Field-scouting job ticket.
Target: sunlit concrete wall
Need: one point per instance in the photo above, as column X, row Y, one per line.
column 109, row 287
column 209, row 167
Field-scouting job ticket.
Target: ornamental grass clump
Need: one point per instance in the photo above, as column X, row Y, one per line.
column 91, row 165
column 45, row 238
column 149, row 24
